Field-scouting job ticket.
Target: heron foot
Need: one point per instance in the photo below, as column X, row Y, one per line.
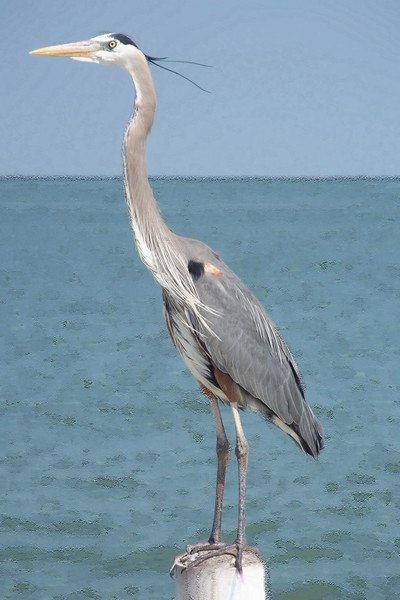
column 202, row 546
column 191, row 551
column 196, row 554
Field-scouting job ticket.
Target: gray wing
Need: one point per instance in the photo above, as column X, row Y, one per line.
column 247, row 347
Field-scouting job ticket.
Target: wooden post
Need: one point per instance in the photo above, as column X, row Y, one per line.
column 217, row 579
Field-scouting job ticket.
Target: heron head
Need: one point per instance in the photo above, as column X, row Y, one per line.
column 112, row 49
column 109, row 49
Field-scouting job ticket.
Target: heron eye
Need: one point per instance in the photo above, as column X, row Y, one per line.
column 112, row 44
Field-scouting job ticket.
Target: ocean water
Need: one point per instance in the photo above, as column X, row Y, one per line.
column 107, row 460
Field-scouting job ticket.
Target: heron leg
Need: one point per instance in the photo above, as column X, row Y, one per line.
column 198, row 553
column 222, row 459
column 241, row 451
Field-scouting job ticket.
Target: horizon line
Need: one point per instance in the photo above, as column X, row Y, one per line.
column 207, row 177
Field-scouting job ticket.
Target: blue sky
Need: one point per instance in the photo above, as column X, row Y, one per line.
column 299, row 88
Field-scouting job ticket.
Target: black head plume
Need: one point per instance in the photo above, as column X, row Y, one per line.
column 155, row 61
column 124, row 39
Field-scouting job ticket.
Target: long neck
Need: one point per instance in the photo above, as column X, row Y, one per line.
column 163, row 253
column 144, row 213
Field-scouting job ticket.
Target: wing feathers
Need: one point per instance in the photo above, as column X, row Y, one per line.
column 248, row 348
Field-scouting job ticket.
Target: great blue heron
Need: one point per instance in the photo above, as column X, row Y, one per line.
column 221, row 330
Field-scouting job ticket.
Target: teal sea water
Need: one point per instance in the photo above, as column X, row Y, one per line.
column 107, row 461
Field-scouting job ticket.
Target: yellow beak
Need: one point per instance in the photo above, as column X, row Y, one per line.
column 74, row 50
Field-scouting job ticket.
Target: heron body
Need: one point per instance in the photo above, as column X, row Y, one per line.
column 220, row 329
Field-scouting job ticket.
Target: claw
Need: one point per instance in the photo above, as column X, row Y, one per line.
column 225, row 549
column 187, row 559
column 196, row 554
column 202, row 546
column 238, row 561
column 176, row 563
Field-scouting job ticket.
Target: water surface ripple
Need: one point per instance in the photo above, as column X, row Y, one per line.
column 107, row 446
